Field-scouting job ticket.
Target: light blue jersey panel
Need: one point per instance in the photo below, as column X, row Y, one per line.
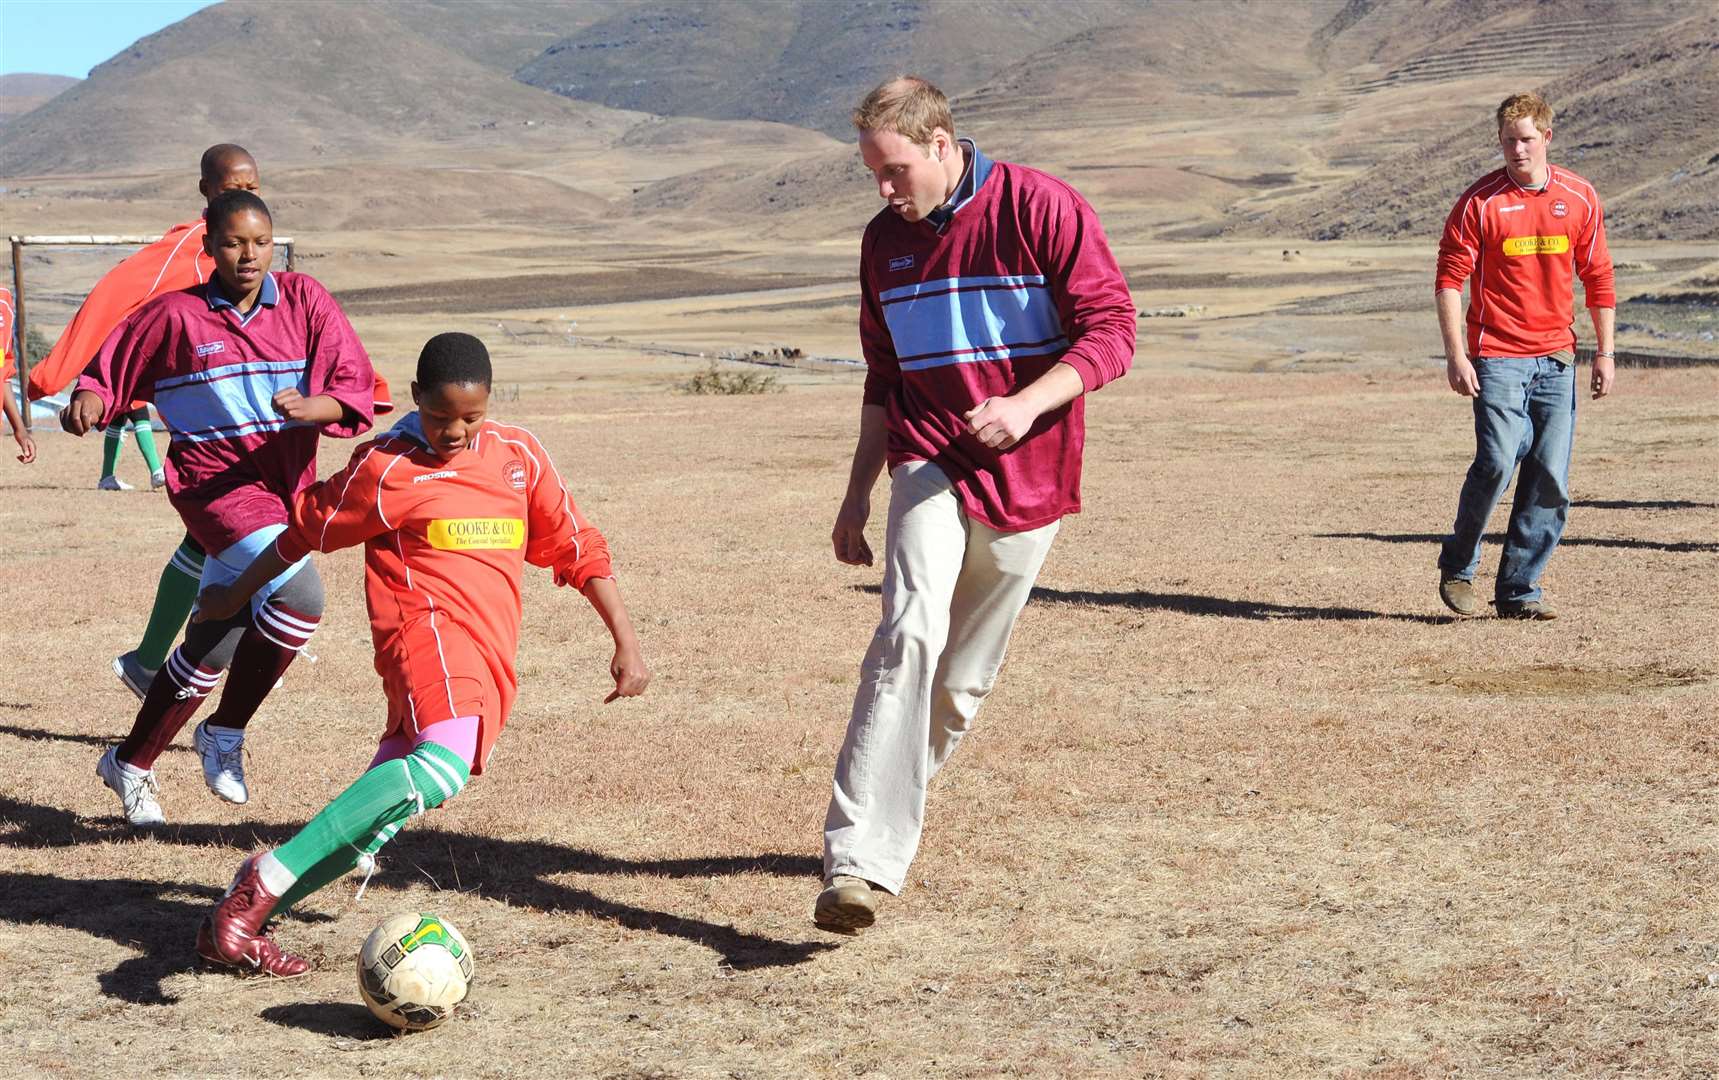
column 971, row 320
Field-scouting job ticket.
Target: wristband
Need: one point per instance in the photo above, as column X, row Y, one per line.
column 1607, row 355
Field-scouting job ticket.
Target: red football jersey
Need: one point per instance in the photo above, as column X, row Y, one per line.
column 1522, row 248
column 445, row 546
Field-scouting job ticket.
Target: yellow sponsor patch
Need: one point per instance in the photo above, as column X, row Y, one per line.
column 468, row 534
column 1537, row 245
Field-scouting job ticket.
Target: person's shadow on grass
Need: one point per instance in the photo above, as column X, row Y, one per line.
column 1627, row 543
column 1196, row 604
column 161, row 917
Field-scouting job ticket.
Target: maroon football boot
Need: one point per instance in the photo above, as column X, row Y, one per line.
column 233, row 933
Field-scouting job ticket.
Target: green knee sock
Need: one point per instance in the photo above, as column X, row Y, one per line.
column 367, row 815
column 174, row 595
column 110, row 444
column 145, row 433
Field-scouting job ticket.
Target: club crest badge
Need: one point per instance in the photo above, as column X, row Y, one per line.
column 515, row 474
column 1560, row 208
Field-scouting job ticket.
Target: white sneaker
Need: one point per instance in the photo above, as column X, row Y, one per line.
column 132, row 674
column 136, row 791
column 157, row 479
column 112, row 483
column 223, row 763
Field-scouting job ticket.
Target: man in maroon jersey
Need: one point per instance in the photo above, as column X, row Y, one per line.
column 990, row 305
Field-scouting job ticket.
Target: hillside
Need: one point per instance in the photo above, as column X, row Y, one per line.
column 499, row 34
column 298, row 83
column 801, row 62
column 1124, row 111
column 21, row 92
column 1178, row 119
column 1624, row 122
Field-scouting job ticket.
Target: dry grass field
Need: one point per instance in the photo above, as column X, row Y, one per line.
column 1245, row 802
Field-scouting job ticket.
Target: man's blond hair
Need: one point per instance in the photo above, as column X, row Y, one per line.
column 1525, row 106
column 907, row 105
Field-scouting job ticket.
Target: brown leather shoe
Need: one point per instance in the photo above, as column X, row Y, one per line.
column 846, row 905
column 1537, row 610
column 233, row 933
column 1458, row 595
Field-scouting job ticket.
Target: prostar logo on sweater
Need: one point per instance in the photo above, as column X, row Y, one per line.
column 901, row 262
column 211, row 348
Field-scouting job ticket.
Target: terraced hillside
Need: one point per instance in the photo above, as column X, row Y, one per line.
column 1626, row 122
column 1543, row 46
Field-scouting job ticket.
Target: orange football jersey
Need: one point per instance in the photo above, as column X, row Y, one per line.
column 445, row 545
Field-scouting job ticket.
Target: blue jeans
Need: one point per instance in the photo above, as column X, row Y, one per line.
column 1525, row 413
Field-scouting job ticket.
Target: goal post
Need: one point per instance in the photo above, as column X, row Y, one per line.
column 20, row 322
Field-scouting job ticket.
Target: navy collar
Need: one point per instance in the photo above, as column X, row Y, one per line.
column 410, row 427
column 268, row 296
column 977, row 172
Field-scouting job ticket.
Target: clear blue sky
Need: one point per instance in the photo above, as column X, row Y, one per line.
column 68, row 37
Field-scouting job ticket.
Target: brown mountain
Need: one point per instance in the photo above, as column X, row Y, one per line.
column 21, row 92
column 294, row 82
column 1627, row 122
column 1175, row 117
column 801, row 62
column 500, row 34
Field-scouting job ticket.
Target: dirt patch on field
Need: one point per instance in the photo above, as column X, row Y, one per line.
column 1154, row 282
column 1569, row 680
column 528, row 291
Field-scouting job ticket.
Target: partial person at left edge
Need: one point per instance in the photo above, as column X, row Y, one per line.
column 9, row 372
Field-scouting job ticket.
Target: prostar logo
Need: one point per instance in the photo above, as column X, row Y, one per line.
column 901, row 262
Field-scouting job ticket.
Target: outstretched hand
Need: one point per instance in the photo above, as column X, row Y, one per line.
column 630, row 673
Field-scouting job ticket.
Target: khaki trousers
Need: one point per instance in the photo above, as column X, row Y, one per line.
column 952, row 589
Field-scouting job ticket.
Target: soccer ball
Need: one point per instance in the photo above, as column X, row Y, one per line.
column 413, row 970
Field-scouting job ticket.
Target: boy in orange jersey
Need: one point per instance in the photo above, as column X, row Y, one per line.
column 449, row 506
column 1520, row 235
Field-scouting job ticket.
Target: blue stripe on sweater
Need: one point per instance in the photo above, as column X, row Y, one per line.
column 971, row 319
column 229, row 401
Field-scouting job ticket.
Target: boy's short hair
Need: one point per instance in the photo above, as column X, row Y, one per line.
column 219, row 157
column 1530, row 105
column 453, row 358
column 907, row 105
column 229, row 204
